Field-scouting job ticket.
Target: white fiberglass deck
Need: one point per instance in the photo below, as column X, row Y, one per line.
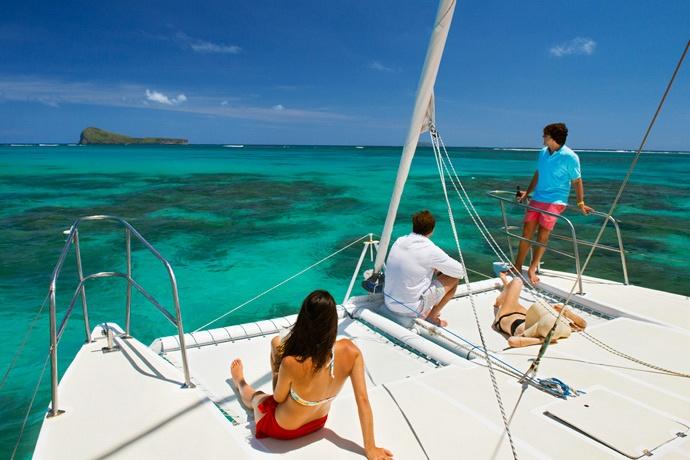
column 210, row 364
column 451, row 412
column 131, row 404
column 621, row 300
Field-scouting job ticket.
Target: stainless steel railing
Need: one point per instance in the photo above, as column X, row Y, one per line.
column 56, row 332
column 504, row 197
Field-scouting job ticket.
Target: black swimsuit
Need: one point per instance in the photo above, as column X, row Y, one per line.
column 513, row 326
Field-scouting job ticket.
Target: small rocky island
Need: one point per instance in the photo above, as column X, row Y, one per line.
column 97, row 136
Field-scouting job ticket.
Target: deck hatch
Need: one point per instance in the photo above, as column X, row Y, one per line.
column 619, row 423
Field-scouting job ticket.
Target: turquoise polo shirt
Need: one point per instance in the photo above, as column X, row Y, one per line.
column 556, row 171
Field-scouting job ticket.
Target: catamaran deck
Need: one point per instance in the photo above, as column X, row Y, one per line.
column 131, row 404
column 428, row 402
column 618, row 299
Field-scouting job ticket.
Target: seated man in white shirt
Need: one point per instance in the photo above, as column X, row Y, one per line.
column 420, row 277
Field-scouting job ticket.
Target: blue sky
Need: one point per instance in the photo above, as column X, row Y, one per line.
column 343, row 72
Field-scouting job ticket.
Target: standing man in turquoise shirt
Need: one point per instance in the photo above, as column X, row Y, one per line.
column 557, row 167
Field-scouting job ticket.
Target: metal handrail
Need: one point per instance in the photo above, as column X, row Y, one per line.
column 56, row 333
column 504, row 196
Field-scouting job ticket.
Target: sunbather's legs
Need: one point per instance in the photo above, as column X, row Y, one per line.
column 510, row 295
column 517, row 342
column 250, row 396
column 579, row 322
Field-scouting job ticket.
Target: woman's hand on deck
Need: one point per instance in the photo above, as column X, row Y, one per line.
column 379, row 453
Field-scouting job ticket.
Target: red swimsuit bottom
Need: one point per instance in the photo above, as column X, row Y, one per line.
column 268, row 425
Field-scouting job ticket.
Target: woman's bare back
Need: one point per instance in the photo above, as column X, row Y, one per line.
column 312, row 386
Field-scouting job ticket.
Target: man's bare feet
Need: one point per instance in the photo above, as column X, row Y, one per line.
column 436, row 320
column 532, row 273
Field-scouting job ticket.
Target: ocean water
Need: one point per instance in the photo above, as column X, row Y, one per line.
column 234, row 222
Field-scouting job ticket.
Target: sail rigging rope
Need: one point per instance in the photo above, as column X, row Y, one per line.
column 494, row 383
column 535, row 364
column 543, row 384
column 483, row 229
column 20, row 348
column 407, row 420
column 498, row 251
column 29, row 407
column 498, row 362
column 479, row 223
column 290, row 278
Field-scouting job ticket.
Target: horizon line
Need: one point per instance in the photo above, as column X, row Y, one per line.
column 516, row 148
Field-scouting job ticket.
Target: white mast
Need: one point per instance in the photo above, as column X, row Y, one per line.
column 419, row 122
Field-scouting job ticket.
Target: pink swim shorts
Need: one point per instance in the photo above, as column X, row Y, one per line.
column 545, row 220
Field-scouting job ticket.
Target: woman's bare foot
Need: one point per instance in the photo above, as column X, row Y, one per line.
column 504, row 278
column 247, row 392
column 237, row 372
column 532, row 273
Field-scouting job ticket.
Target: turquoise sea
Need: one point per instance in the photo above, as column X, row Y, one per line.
column 236, row 221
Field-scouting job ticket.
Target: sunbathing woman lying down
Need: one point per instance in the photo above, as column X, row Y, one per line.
column 529, row 326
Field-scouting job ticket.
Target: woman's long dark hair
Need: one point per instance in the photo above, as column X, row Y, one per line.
column 315, row 330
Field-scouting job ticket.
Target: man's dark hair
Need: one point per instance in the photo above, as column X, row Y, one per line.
column 423, row 223
column 557, row 131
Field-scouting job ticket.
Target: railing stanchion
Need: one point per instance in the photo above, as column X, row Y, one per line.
column 505, row 227
column 367, row 245
column 622, row 251
column 80, row 271
column 73, row 238
column 576, row 250
column 180, row 329
column 53, row 357
column 497, row 194
column 371, row 248
column 128, row 308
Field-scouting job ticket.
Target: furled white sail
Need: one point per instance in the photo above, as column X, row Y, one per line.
column 419, row 123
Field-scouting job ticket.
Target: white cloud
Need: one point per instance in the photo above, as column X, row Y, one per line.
column 155, row 96
column 208, row 47
column 376, row 65
column 203, row 46
column 54, row 93
column 578, row 45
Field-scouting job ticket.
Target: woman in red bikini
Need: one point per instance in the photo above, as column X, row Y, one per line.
column 309, row 369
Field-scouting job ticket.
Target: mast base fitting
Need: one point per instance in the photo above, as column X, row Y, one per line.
column 374, row 284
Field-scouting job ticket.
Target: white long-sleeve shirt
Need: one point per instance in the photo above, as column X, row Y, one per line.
column 410, row 270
